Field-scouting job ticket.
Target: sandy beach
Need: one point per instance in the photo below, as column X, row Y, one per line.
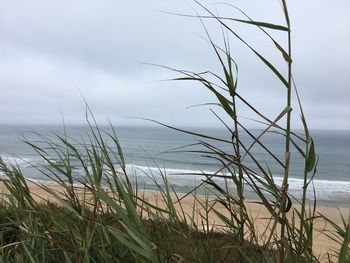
column 322, row 244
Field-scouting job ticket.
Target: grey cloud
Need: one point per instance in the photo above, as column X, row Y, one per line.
column 52, row 48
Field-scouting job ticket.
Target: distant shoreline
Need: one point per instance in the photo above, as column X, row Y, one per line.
column 60, row 126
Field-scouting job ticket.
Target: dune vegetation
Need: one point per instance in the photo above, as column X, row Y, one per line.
column 102, row 215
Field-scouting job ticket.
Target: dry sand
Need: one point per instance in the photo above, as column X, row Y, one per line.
column 322, row 244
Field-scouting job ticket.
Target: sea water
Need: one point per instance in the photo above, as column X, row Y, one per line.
column 150, row 151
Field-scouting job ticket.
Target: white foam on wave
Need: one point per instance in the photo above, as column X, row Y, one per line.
column 170, row 172
column 325, row 189
column 294, row 183
column 321, row 185
column 21, row 162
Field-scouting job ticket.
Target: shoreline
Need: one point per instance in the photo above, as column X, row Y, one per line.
column 341, row 204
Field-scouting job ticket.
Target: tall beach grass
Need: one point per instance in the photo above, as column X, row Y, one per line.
column 99, row 214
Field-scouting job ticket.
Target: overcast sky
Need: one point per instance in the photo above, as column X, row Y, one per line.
column 51, row 50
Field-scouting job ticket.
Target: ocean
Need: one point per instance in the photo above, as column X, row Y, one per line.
column 148, row 150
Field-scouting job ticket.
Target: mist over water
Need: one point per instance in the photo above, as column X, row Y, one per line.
column 152, row 150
